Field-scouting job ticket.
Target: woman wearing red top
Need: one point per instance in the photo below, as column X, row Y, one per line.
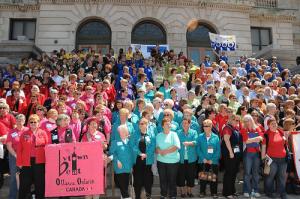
column 274, row 147
column 63, row 133
column 221, row 118
column 252, row 136
column 17, row 104
column 12, row 142
column 31, row 159
column 93, row 135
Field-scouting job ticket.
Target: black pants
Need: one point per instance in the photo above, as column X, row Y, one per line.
column 213, row 185
column 186, row 174
column 143, row 177
column 167, row 178
column 34, row 174
column 122, row 182
column 231, row 167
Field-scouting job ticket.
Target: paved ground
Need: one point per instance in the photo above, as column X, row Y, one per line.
column 5, row 189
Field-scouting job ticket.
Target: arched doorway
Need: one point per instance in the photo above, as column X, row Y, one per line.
column 148, row 32
column 94, row 34
column 198, row 43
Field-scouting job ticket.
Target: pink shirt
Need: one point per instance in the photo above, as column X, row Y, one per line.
column 76, row 128
column 95, row 137
column 62, row 132
column 13, row 136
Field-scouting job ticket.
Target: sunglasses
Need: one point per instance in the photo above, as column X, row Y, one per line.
column 167, row 114
column 3, row 108
column 33, row 122
column 206, row 126
column 40, row 109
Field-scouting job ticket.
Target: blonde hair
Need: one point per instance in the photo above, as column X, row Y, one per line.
column 250, row 118
column 34, row 117
column 51, row 112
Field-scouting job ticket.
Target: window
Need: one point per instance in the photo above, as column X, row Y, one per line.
column 148, row 32
column 261, row 37
column 93, row 32
column 22, row 27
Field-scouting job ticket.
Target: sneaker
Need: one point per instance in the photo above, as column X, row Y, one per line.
column 247, row 195
column 190, row 195
column 215, row 196
column 202, row 195
column 256, row 195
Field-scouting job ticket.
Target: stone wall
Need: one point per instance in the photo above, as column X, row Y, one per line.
column 57, row 23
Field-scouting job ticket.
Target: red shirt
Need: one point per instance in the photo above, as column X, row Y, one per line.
column 8, row 120
column 28, row 142
column 61, row 132
column 11, row 101
column 275, row 145
column 245, row 134
column 221, row 121
column 13, row 136
column 97, row 136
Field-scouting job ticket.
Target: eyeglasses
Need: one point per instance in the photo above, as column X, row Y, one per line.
column 206, row 126
column 167, row 114
column 237, row 120
column 40, row 109
column 33, row 96
column 33, row 122
column 143, row 123
column 3, row 108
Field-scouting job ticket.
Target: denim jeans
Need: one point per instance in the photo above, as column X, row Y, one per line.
column 251, row 172
column 278, row 170
column 13, row 190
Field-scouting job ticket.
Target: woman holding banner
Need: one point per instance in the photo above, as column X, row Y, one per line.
column 121, row 152
column 144, row 147
column 31, row 159
column 93, row 135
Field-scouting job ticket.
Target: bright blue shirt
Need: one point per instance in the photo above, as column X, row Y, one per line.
column 209, row 149
column 191, row 136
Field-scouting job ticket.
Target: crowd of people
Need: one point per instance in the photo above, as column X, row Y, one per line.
column 159, row 114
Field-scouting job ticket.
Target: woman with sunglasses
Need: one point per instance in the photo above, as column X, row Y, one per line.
column 31, row 159
column 209, row 152
column 231, row 148
column 144, row 148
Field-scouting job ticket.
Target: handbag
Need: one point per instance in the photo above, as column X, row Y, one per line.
column 207, row 176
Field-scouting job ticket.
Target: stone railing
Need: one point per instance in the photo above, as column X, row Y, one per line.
column 19, row 2
column 266, row 3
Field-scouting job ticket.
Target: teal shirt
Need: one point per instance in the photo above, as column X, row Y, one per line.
column 115, row 134
column 165, row 141
column 166, row 92
column 149, row 96
column 174, row 127
column 209, row 150
column 191, row 151
column 150, row 140
column 122, row 151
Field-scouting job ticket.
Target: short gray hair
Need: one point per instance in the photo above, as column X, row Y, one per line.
column 20, row 117
column 61, row 117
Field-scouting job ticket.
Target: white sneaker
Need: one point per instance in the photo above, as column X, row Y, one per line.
column 247, row 195
column 256, row 194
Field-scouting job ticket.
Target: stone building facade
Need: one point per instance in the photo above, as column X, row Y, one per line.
column 262, row 27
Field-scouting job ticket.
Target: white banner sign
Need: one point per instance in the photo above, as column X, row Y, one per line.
column 222, row 42
column 296, row 152
column 146, row 49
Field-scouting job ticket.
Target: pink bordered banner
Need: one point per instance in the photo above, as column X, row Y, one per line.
column 74, row 169
column 296, row 150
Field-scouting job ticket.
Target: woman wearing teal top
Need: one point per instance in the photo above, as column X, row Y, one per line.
column 188, row 158
column 209, row 152
column 144, row 148
column 165, row 89
column 168, row 157
column 122, row 154
column 123, row 115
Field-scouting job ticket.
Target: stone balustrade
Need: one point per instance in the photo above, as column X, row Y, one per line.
column 266, row 3
column 19, row 1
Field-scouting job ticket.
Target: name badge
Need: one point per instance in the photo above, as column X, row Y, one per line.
column 15, row 134
column 97, row 137
column 147, row 139
column 210, row 150
column 119, row 143
column 54, row 137
column 236, row 149
column 48, row 126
